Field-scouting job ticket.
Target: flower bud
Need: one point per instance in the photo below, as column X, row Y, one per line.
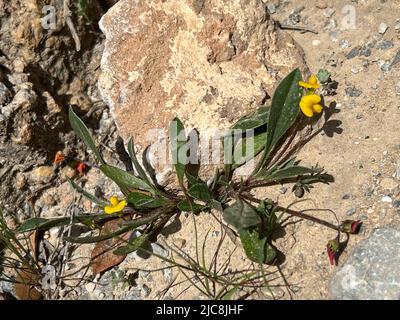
column 351, row 226
column 332, row 250
column 81, row 167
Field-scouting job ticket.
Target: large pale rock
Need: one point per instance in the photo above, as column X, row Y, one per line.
column 206, row 61
column 372, row 271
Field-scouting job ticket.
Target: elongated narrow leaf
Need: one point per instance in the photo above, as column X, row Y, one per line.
column 284, row 109
column 82, row 132
column 139, row 169
column 143, row 201
column 287, row 173
column 230, row 294
column 258, row 142
column 100, row 202
column 256, row 120
column 200, row 191
column 193, row 180
column 241, row 215
column 178, row 141
column 127, row 227
column 134, row 245
column 45, row 224
column 256, row 247
column 126, row 181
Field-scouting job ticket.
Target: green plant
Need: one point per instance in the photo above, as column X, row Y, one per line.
column 18, row 255
column 255, row 221
column 213, row 277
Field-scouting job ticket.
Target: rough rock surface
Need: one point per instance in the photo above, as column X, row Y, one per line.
column 207, row 62
column 41, row 73
column 372, row 270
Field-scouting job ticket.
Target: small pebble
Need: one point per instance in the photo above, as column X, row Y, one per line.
column 388, row 184
column 385, row 66
column 353, row 92
column 386, row 199
column 310, row 223
column 397, row 173
column 329, row 12
column 397, row 88
column 383, row 28
column 396, row 204
column 271, row 8
column 356, row 70
column 316, row 42
column 396, row 59
column 344, row 44
column 321, row 4
column 159, row 250
column 215, row 233
column 384, row 45
column 283, row 190
column 351, row 211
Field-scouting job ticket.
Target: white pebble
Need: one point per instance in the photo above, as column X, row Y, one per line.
column 387, row 199
column 383, row 28
column 316, row 42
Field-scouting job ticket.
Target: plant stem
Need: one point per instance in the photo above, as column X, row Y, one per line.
column 297, row 214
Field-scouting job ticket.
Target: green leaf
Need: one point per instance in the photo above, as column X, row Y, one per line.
column 200, row 191
column 286, row 173
column 253, row 121
column 284, row 110
column 323, row 76
column 124, row 180
column 127, row 227
column 230, row 293
column 144, row 201
column 100, row 202
column 216, row 205
column 256, row 247
column 185, row 206
column 256, row 122
column 45, row 224
column 241, row 215
column 134, row 245
column 83, row 133
column 258, row 141
column 178, row 141
column 139, row 169
column 192, row 179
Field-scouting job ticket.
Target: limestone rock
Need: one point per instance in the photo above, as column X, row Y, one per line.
column 372, row 270
column 41, row 174
column 206, row 61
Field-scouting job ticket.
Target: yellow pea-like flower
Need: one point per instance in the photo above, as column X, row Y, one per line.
column 115, row 205
column 311, row 84
column 310, row 104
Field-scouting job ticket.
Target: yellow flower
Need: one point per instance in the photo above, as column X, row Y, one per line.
column 311, row 84
column 115, row 205
column 310, row 104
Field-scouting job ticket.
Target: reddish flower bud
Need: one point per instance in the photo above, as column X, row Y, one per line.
column 59, row 157
column 351, row 226
column 81, row 167
column 332, row 249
